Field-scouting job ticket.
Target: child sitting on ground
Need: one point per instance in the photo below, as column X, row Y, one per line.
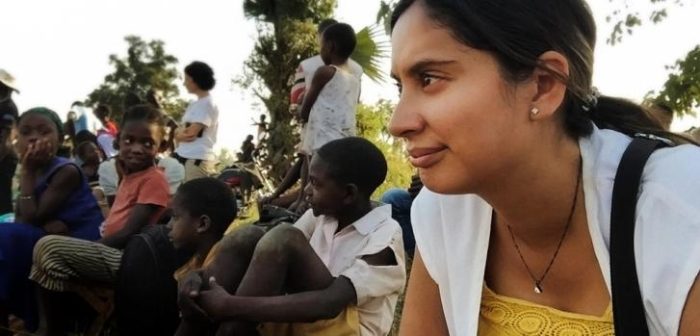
column 337, row 271
column 69, row 264
column 202, row 210
column 90, row 156
column 54, row 199
column 328, row 111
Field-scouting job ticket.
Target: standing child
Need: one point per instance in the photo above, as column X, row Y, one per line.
column 54, row 198
column 69, row 264
column 337, row 271
column 330, row 103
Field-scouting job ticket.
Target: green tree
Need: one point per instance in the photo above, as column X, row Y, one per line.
column 372, row 121
column 626, row 17
column 681, row 92
column 146, row 66
column 370, row 51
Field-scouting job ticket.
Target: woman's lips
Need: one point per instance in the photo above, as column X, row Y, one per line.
column 425, row 157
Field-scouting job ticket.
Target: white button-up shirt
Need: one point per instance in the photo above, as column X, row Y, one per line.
column 377, row 287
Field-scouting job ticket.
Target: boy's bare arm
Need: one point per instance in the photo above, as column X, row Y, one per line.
column 141, row 215
column 300, row 307
column 317, row 305
column 322, row 76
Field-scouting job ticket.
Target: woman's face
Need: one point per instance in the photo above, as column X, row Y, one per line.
column 190, row 85
column 462, row 122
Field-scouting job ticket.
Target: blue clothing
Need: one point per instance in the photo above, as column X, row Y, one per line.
column 79, row 212
column 400, row 201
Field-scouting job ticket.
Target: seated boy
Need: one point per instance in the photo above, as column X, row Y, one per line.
column 201, row 210
column 337, row 271
column 68, row 264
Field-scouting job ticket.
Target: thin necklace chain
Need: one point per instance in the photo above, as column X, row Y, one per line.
column 538, row 281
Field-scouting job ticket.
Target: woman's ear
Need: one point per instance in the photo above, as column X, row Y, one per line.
column 550, row 80
column 204, row 224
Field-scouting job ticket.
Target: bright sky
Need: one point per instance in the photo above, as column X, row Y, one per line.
column 58, row 50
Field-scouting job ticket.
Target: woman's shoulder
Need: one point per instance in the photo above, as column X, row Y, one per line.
column 672, row 178
column 438, row 218
column 676, row 169
column 430, row 202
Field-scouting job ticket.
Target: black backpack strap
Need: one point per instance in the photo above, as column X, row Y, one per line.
column 628, row 308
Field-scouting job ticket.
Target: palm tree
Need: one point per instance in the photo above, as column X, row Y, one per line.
column 369, row 52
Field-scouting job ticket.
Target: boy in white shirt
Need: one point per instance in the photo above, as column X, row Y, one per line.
column 337, row 271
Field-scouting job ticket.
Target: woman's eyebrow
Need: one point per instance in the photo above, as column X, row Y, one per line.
column 421, row 65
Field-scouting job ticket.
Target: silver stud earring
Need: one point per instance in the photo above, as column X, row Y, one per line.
column 534, row 111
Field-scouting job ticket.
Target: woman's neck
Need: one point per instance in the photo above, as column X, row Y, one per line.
column 201, row 94
column 535, row 198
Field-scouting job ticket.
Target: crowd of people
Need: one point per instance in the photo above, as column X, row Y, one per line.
column 508, row 220
column 77, row 210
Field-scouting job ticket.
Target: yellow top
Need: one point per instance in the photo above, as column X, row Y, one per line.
column 505, row 316
column 345, row 324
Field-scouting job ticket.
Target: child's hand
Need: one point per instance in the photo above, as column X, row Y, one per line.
column 188, row 289
column 37, row 154
column 213, row 300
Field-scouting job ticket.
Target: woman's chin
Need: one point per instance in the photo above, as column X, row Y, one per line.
column 443, row 183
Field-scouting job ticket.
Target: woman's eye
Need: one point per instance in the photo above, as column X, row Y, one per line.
column 399, row 87
column 427, row 79
column 127, row 141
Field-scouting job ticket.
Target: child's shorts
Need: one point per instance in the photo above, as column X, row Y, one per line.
column 345, row 324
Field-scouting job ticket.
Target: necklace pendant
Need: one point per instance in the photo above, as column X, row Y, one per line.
column 538, row 289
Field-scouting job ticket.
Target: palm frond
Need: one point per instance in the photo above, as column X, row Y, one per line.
column 370, row 50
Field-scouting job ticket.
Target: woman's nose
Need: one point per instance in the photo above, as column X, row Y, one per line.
column 405, row 119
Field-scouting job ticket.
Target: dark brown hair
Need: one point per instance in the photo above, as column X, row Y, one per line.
column 517, row 33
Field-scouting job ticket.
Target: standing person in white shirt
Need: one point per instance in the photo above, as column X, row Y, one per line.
column 196, row 139
column 337, row 271
column 519, row 155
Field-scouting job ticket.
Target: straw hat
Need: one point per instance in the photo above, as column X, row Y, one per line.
column 8, row 80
